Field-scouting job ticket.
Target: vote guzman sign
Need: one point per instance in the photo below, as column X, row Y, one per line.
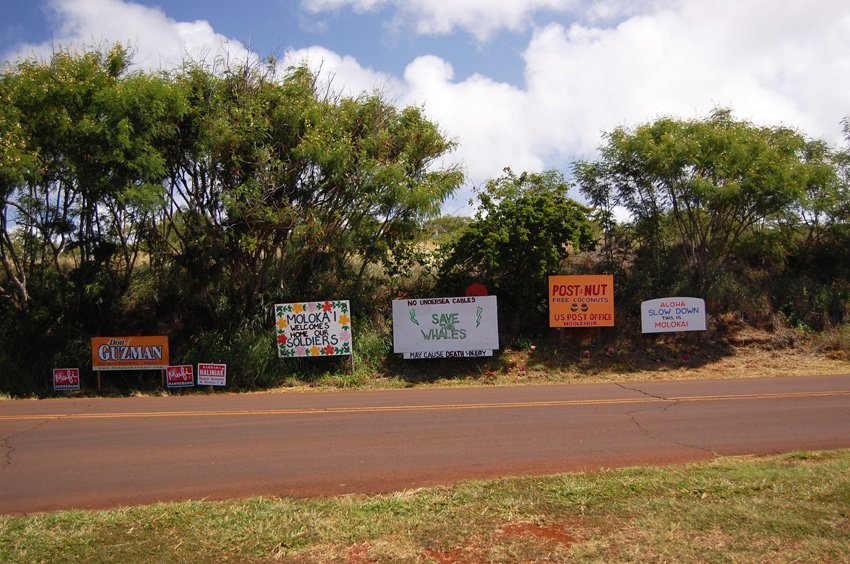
column 446, row 327
column 581, row 301
column 667, row 315
column 129, row 353
column 313, row 329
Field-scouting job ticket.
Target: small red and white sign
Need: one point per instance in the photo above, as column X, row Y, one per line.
column 212, row 374
column 66, row 378
column 180, row 376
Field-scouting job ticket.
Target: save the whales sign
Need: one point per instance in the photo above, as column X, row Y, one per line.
column 445, row 327
column 667, row 315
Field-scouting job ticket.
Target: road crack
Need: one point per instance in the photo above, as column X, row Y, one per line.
column 6, row 442
column 649, row 434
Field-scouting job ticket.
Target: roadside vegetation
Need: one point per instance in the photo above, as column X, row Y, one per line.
column 187, row 203
column 785, row 508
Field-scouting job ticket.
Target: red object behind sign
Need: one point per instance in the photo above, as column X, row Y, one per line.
column 66, row 378
column 477, row 289
column 212, row 374
column 180, row 376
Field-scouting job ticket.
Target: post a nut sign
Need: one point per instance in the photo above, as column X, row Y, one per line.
column 581, row 301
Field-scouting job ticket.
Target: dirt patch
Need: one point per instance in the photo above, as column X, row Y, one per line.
column 359, row 554
column 554, row 533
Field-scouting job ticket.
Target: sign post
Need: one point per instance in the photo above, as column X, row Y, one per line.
column 212, row 374
column 670, row 315
column 446, row 327
column 66, row 379
column 128, row 353
column 581, row 301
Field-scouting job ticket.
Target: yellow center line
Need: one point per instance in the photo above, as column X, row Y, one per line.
column 437, row 407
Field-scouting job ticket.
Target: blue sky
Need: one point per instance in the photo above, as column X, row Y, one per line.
column 530, row 84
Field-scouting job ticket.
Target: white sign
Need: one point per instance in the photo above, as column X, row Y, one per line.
column 212, row 374
column 667, row 315
column 321, row 328
column 446, row 327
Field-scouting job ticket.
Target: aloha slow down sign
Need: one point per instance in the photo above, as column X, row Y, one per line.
column 667, row 315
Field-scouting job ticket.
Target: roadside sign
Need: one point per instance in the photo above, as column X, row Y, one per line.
column 319, row 328
column 446, row 327
column 212, row 374
column 180, row 376
column 668, row 315
column 66, row 378
column 581, row 301
column 129, row 353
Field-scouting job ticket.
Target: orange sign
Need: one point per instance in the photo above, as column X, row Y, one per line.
column 129, row 353
column 581, row 301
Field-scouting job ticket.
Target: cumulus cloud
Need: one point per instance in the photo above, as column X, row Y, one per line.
column 487, row 117
column 343, row 75
column 771, row 62
column 623, row 63
column 615, row 63
column 482, row 18
column 157, row 41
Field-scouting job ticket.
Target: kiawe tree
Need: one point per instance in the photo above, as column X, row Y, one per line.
column 82, row 175
column 713, row 179
column 190, row 200
column 278, row 191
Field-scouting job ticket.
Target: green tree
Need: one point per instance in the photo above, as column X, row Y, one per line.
column 525, row 227
column 82, row 176
column 713, row 180
column 278, row 191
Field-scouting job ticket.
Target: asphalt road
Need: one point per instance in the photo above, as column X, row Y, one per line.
column 97, row 453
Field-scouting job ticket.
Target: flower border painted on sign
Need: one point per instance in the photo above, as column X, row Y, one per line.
column 313, row 329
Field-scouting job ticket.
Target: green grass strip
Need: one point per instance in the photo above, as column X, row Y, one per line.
column 784, row 508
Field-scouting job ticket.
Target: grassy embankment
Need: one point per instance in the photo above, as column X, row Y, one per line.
column 785, row 508
column 743, row 353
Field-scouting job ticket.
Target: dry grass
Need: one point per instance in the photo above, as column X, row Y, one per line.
column 788, row 508
column 547, row 364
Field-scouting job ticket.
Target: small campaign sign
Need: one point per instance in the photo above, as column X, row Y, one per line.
column 180, row 376
column 668, row 315
column 66, row 378
column 212, row 374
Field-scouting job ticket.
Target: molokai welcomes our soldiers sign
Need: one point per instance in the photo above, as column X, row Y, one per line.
column 312, row 329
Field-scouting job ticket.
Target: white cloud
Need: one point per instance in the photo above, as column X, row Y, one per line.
column 771, row 62
column 487, row 117
column 617, row 63
column 481, row 18
column 343, row 74
column 485, row 18
column 156, row 40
